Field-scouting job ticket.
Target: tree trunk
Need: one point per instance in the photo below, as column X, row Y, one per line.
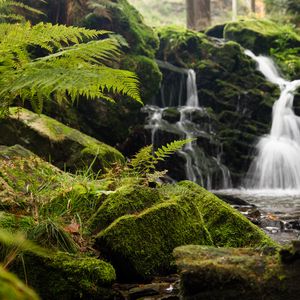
column 198, row 14
column 253, row 6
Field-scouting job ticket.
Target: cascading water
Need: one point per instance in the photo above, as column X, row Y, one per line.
column 198, row 167
column 277, row 164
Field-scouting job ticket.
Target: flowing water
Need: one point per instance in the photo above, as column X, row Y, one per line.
column 272, row 196
column 277, row 164
column 189, row 120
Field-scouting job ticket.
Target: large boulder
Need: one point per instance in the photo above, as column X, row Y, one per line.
column 64, row 276
column 139, row 230
column 65, row 147
column 236, row 273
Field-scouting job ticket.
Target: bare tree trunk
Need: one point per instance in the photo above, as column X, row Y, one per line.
column 198, row 14
column 253, row 6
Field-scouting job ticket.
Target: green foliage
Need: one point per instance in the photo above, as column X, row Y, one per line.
column 48, row 61
column 16, row 11
column 145, row 161
column 51, row 235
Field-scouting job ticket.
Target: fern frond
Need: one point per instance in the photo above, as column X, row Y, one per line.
column 74, row 80
column 165, row 151
column 97, row 52
column 143, row 160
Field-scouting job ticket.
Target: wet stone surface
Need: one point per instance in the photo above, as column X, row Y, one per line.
column 276, row 212
column 161, row 288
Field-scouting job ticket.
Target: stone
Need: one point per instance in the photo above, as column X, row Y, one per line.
column 65, row 147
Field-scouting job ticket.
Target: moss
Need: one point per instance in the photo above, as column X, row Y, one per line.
column 48, row 190
column 127, row 199
column 15, row 223
column 260, row 35
column 229, row 273
column 11, row 288
column 124, row 19
column 148, row 73
column 227, row 227
column 65, row 276
column 141, row 245
column 50, row 139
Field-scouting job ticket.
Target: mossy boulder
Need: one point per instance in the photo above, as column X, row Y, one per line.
column 122, row 18
column 11, row 288
column 261, row 35
column 127, row 199
column 235, row 273
column 52, row 140
column 65, row 276
column 140, row 241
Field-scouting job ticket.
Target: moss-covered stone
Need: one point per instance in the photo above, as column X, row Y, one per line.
column 140, row 240
column 64, row 146
column 235, row 273
column 64, row 276
column 227, row 227
column 261, row 35
column 127, row 199
column 11, row 288
column 122, row 18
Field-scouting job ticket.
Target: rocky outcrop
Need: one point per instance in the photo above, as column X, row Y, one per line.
column 237, row 99
column 63, row 146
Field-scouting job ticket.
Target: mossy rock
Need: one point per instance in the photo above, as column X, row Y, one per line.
column 50, row 139
column 140, row 240
column 235, row 273
column 125, row 200
column 261, row 35
column 122, row 18
column 11, row 288
column 64, row 276
column 227, row 227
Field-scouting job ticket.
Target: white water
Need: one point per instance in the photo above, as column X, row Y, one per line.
column 196, row 167
column 277, row 165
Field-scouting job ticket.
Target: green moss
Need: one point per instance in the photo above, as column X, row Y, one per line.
column 15, row 223
column 50, row 139
column 11, row 288
column 227, row 227
column 141, row 245
column 260, row 35
column 148, row 73
column 65, row 276
column 127, row 21
column 126, row 200
column 230, row 273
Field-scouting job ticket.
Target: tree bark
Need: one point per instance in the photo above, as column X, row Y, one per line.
column 198, row 14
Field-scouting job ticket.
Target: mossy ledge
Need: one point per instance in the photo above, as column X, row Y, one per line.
column 52, row 140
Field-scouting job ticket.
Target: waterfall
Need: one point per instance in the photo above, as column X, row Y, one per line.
column 277, row 164
column 198, row 166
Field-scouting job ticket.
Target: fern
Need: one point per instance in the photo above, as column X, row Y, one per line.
column 72, row 68
column 144, row 161
column 15, row 11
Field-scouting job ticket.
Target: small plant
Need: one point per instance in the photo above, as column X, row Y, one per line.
column 143, row 165
column 50, row 234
